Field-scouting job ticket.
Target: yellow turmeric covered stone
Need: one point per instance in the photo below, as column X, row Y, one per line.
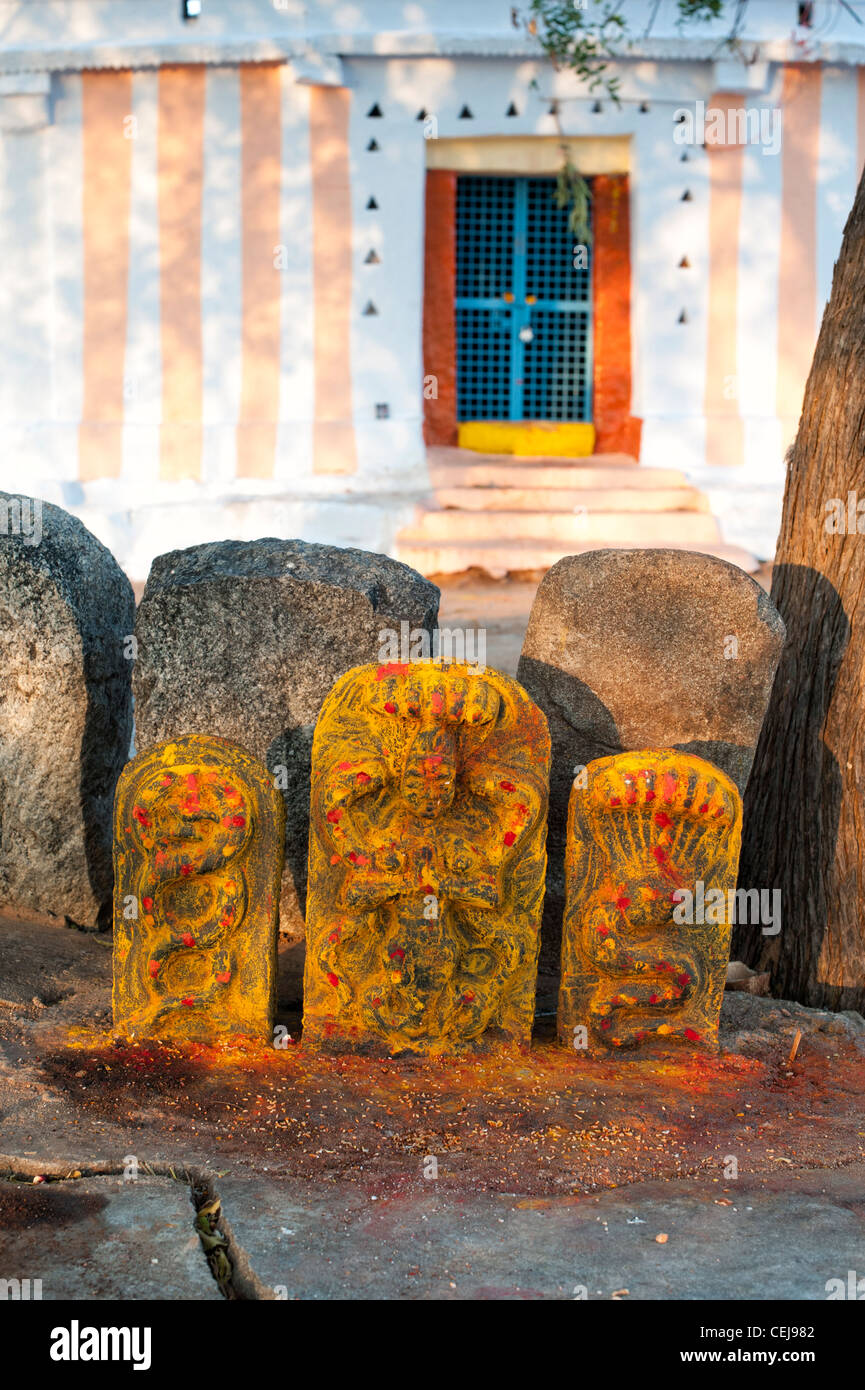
column 652, row 853
column 426, row 860
column 198, row 850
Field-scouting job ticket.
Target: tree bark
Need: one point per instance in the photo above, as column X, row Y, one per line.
column 805, row 803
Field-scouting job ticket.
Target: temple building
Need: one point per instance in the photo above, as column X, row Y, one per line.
column 274, row 268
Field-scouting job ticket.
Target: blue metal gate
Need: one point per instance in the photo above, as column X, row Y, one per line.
column 524, row 333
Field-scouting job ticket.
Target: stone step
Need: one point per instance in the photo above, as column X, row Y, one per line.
column 499, row 557
column 626, row 528
column 450, row 454
column 551, row 474
column 560, row 499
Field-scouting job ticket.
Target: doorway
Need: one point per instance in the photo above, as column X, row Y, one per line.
column 523, row 306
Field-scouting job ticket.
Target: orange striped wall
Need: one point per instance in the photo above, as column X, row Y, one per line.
column 797, row 271
column 107, row 175
column 334, row 448
column 181, row 179
column 261, row 137
column 725, row 440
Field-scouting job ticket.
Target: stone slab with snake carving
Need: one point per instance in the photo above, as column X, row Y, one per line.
column 652, row 853
column 199, row 830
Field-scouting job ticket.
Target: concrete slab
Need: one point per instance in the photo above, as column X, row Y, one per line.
column 102, row 1238
column 778, row 1239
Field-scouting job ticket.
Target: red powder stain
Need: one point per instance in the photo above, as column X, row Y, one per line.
column 363, row 778
column 507, row 786
column 615, row 801
column 427, row 888
column 186, row 870
column 153, row 969
column 147, row 904
column 188, row 1002
column 191, row 782
column 662, row 819
column 238, row 822
column 390, row 707
column 334, row 935
column 159, row 857
column 344, row 767
column 650, row 796
column 335, row 815
column 397, row 954
column 603, row 931
column 188, row 939
column 704, row 808
column 683, row 979
column 509, row 837
column 376, row 1003
column 141, row 816
column 521, row 809
column 468, row 998
column 659, row 854
column 669, row 786
column 223, row 977
column 622, row 903
column 605, row 1023
column 334, row 859
column 654, row 999
column 691, row 1035
column 332, row 979
column 393, row 668
column 166, row 780
column 225, row 921
column 437, row 701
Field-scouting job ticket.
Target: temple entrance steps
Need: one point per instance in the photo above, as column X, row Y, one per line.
column 504, row 513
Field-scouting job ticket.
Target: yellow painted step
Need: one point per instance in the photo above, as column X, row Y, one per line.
column 550, row 438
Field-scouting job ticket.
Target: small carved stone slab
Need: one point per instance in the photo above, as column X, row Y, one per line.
column 427, row 858
column 652, row 853
column 199, row 833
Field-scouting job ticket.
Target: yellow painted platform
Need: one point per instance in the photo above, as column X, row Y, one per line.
column 548, row 438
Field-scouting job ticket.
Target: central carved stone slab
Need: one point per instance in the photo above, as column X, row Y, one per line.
column 652, row 853
column 426, row 860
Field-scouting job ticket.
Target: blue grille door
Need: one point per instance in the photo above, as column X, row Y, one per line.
column 524, row 344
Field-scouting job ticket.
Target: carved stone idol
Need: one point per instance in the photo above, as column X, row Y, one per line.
column 199, row 832
column 426, row 860
column 652, row 852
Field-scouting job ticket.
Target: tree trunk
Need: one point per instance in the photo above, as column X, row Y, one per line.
column 805, row 804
